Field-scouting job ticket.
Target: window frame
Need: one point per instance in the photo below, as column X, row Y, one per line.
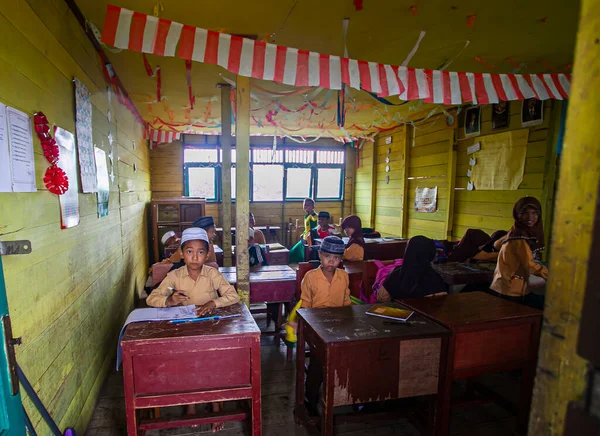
column 314, row 167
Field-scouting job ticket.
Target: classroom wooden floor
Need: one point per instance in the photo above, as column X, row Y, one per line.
column 278, row 404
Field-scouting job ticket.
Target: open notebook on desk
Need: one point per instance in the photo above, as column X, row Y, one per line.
column 155, row 314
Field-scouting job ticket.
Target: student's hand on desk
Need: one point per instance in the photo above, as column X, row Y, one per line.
column 205, row 309
column 177, row 298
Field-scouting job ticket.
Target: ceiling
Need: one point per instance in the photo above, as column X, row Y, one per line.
column 505, row 37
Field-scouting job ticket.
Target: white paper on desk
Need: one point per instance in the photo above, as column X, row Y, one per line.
column 155, row 314
column 20, row 140
column 5, row 172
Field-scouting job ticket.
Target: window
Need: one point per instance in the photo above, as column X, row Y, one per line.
column 287, row 173
column 201, row 183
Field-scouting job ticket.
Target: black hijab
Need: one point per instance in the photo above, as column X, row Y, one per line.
column 416, row 277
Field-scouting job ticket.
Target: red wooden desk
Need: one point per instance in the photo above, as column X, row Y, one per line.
column 168, row 364
column 489, row 335
column 355, row 272
column 269, row 284
column 365, row 360
column 458, row 273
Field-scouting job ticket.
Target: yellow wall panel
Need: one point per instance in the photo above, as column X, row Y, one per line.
column 69, row 297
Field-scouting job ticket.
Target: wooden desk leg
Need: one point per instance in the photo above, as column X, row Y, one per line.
column 527, row 379
column 300, row 361
column 444, row 404
column 130, row 411
column 256, row 398
column 328, row 390
column 278, row 322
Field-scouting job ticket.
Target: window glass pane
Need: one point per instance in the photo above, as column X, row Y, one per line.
column 298, row 182
column 267, row 182
column 330, row 156
column 299, row 156
column 329, row 180
column 205, row 155
column 266, row 155
column 201, row 183
column 233, row 155
column 233, row 183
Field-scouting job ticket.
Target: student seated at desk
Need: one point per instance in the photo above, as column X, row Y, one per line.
column 326, row 286
column 478, row 245
column 416, row 277
column 518, row 255
column 256, row 254
column 325, row 229
column 195, row 283
column 310, row 223
column 207, row 223
column 259, row 236
column 355, row 249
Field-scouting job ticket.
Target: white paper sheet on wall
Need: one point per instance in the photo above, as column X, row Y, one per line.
column 5, row 172
column 20, row 140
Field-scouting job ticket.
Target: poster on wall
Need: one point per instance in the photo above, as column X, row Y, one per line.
column 5, row 172
column 472, row 122
column 500, row 115
column 103, row 185
column 532, row 112
column 20, row 144
column 69, row 201
column 83, row 128
column 500, row 164
column 426, row 200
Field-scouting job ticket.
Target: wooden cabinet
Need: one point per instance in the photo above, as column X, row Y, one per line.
column 177, row 214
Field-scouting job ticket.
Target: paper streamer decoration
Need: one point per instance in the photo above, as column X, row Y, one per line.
column 415, row 48
column 143, row 33
column 160, row 136
column 56, row 180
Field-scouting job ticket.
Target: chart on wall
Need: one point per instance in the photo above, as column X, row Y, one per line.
column 69, row 201
column 500, row 163
column 85, row 146
column 426, row 200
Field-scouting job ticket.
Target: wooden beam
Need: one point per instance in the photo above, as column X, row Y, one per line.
column 242, row 194
column 226, row 171
column 561, row 372
column 451, row 184
column 404, row 177
column 373, row 185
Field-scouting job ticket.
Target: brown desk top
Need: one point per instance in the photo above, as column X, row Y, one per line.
column 350, row 323
column 149, row 331
column 457, row 310
column 461, row 273
column 270, row 273
column 353, row 267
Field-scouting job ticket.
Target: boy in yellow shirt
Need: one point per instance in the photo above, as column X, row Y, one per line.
column 326, row 286
column 195, row 283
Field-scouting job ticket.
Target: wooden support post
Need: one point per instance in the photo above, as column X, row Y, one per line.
column 373, row 187
column 404, row 178
column 561, row 372
column 226, row 171
column 242, row 199
column 451, row 183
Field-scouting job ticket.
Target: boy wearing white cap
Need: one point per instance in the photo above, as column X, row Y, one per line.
column 194, row 283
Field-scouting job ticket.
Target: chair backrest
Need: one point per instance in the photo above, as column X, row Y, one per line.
column 370, row 269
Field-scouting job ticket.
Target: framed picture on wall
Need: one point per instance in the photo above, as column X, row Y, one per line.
column 532, row 112
column 473, row 122
column 500, row 115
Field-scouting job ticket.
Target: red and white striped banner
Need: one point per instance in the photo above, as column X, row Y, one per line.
column 160, row 136
column 134, row 31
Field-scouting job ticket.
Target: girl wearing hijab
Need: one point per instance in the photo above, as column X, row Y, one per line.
column 518, row 254
column 477, row 244
column 355, row 248
column 415, row 278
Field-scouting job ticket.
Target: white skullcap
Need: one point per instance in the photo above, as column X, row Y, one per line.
column 194, row 234
column 166, row 236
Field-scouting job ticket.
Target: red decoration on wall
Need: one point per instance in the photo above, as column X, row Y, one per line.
column 358, row 5
column 50, row 150
column 414, row 9
column 56, row 180
column 470, row 21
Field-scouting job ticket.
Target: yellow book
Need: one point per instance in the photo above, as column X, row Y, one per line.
column 394, row 313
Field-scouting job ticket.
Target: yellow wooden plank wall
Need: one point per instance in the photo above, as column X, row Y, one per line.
column 363, row 184
column 389, row 196
column 429, row 147
column 166, row 164
column 492, row 210
column 69, row 298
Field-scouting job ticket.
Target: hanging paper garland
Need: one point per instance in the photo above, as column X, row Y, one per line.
column 50, row 150
column 56, row 180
